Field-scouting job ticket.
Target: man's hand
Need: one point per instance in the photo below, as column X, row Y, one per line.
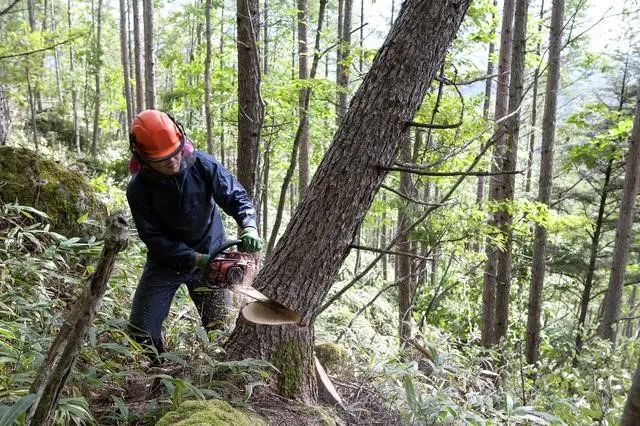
column 202, row 260
column 251, row 241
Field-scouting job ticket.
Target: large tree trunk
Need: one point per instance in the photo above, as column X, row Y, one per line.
column 502, row 104
column 612, row 300
column 250, row 107
column 546, row 181
column 308, row 256
column 149, row 55
column 512, row 126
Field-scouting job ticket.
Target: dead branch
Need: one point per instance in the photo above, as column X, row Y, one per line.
column 65, row 349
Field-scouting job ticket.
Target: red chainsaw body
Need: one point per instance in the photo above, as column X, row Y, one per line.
column 230, row 269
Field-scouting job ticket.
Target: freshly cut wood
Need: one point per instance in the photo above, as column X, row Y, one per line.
column 267, row 312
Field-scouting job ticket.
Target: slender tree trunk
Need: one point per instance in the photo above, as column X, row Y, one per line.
column 32, row 110
column 613, row 297
column 342, row 74
column 149, row 55
column 74, row 91
column 265, row 39
column 487, row 103
column 5, row 117
column 631, row 411
column 56, row 56
column 208, row 116
column 126, row 66
column 137, row 54
column 296, row 141
column 546, row 181
column 512, row 125
column 250, row 107
column 404, row 262
column 593, row 257
column 303, row 76
column 534, row 106
column 495, row 184
column 326, row 220
column 628, row 327
column 98, row 68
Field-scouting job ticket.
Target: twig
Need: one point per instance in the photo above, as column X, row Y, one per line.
column 395, row 253
column 406, row 197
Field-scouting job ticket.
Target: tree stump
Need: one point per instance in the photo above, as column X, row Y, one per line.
column 65, row 348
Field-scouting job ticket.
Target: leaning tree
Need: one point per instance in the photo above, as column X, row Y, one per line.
column 302, row 268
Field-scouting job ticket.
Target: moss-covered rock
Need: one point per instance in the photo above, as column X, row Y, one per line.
column 209, row 413
column 65, row 196
column 332, row 356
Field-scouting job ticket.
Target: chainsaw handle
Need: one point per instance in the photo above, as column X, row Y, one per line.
column 222, row 247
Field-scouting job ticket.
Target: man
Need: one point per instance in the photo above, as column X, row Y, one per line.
column 173, row 200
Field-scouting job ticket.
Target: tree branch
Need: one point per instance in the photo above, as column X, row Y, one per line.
column 427, row 173
column 31, row 52
column 392, row 252
column 407, row 197
column 8, row 8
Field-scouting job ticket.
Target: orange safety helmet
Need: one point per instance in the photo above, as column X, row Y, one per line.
column 155, row 136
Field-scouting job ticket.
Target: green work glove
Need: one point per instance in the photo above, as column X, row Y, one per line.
column 251, row 241
column 202, row 260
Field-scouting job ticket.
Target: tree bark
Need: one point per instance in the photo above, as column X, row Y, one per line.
column 546, row 181
column 149, row 55
column 308, row 256
column 495, row 187
column 126, row 66
column 250, row 107
column 512, row 125
column 137, row 54
column 66, row 347
column 612, row 300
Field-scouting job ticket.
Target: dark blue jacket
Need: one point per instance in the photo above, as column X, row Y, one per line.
column 177, row 217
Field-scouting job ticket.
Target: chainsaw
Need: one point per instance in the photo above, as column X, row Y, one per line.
column 234, row 270
column 230, row 269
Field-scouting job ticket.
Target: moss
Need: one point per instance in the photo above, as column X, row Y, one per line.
column 62, row 194
column 54, row 123
column 324, row 414
column 288, row 359
column 208, row 413
column 331, row 355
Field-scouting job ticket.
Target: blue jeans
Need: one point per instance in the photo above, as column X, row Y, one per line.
column 152, row 301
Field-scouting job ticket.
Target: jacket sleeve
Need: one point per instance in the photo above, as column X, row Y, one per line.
column 170, row 252
column 229, row 194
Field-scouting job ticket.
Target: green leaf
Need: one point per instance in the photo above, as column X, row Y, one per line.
column 11, row 414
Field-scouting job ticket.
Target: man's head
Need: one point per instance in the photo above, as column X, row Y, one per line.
column 156, row 139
